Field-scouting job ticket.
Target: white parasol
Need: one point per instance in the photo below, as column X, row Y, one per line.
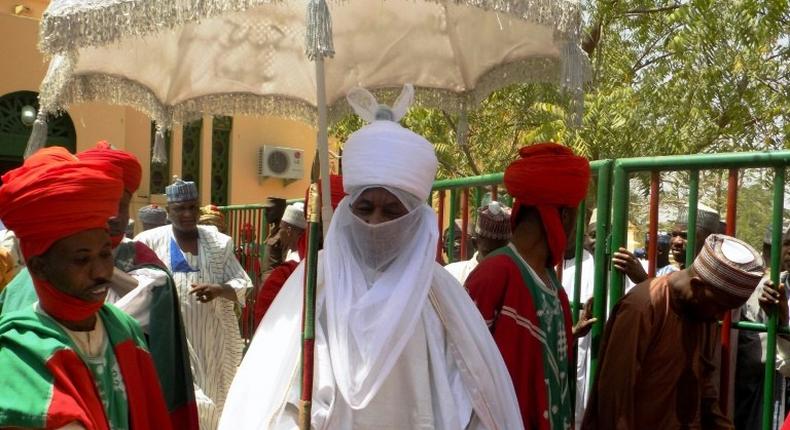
column 178, row 59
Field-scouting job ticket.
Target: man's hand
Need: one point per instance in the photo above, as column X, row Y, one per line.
column 586, row 321
column 208, row 292
column 626, row 262
column 774, row 298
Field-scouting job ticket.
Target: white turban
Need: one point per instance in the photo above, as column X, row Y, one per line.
column 385, row 153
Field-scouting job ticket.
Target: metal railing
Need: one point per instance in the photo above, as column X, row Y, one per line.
column 778, row 161
column 247, row 225
column 611, row 199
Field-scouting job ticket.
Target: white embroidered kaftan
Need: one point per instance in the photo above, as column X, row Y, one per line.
column 212, row 329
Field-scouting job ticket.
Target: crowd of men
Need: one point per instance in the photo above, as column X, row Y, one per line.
column 99, row 331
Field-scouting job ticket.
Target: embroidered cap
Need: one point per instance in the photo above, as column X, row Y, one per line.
column 493, row 222
column 181, row 191
column 153, row 215
column 729, row 265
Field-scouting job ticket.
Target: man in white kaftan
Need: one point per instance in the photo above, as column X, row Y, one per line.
column 399, row 345
column 584, row 354
column 492, row 231
column 210, row 282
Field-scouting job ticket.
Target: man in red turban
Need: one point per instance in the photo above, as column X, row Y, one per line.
column 141, row 285
column 71, row 360
column 517, row 290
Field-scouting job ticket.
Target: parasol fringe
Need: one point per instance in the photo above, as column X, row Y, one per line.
column 159, row 155
column 574, row 74
column 38, row 137
column 74, row 25
column 86, row 88
column 318, row 31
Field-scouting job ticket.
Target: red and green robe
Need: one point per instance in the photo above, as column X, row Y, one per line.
column 166, row 339
column 531, row 324
column 45, row 383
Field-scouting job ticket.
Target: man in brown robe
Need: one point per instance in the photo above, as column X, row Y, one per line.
column 659, row 365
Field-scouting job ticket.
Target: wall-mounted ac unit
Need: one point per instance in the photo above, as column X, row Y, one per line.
column 278, row 162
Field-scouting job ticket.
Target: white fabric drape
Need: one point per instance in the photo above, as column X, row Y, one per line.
column 369, row 321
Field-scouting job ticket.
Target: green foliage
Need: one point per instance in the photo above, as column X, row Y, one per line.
column 669, row 77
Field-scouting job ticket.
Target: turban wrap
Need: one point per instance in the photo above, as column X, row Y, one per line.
column 132, row 171
column 43, row 202
column 385, row 154
column 211, row 215
column 548, row 176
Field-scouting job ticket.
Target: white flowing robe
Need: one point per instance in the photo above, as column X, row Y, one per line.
column 449, row 376
column 212, row 329
column 584, row 354
column 461, row 269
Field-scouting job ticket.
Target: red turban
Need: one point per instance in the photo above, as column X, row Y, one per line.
column 548, row 176
column 43, row 202
column 132, row 171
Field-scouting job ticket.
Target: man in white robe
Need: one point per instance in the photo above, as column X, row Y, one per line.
column 492, row 231
column 399, row 345
column 586, row 293
column 210, row 282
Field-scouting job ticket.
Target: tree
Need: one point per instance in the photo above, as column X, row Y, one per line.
column 669, row 77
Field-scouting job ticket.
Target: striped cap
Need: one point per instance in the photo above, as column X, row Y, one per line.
column 729, row 265
column 181, row 191
column 493, row 221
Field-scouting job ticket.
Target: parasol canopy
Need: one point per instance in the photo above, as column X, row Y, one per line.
column 176, row 60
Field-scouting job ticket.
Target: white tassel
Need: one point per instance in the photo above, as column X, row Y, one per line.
column 159, row 155
column 318, row 37
column 38, row 137
column 462, row 128
column 575, row 72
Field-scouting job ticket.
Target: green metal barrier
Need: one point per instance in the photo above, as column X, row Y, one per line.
column 778, row 160
column 611, row 202
column 247, row 225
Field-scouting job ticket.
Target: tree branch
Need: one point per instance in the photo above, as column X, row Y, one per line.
column 645, row 11
column 464, row 148
column 639, row 67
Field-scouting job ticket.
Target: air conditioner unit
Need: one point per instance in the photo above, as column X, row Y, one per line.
column 278, row 162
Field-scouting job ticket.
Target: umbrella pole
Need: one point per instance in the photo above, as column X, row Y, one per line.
column 308, row 313
column 323, row 143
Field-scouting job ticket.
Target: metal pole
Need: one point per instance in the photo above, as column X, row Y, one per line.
column 323, row 143
column 619, row 229
column 451, row 226
column 440, row 245
column 464, row 223
column 581, row 216
column 308, row 313
column 652, row 248
column 602, row 199
column 726, row 379
column 770, row 350
column 691, row 240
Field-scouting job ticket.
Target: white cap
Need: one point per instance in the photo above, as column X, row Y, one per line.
column 294, row 215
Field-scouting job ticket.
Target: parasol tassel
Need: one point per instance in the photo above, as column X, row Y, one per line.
column 38, row 137
column 462, row 128
column 318, row 37
column 160, row 152
column 575, row 72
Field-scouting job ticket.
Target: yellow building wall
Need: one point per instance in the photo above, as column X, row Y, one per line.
column 24, row 68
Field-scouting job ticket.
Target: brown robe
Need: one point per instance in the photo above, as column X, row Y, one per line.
column 658, row 370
